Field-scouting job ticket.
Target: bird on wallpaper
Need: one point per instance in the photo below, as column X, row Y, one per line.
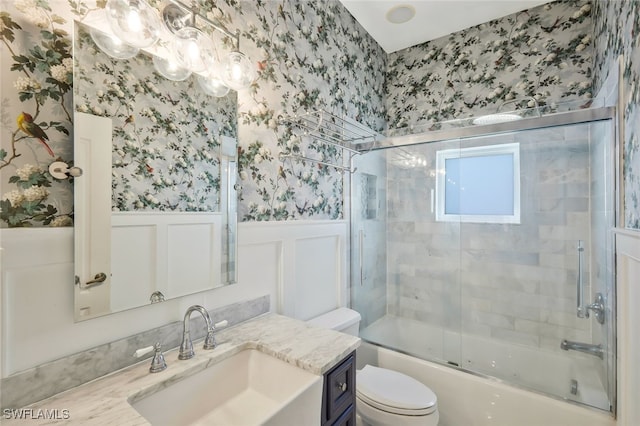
column 281, row 173
column 130, row 119
column 26, row 124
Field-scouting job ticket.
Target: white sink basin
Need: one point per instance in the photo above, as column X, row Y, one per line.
column 249, row 388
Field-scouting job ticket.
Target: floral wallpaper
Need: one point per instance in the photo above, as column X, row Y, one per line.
column 309, row 55
column 37, row 116
column 543, row 53
column 166, row 134
column 617, row 32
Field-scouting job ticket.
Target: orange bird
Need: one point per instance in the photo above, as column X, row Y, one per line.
column 26, row 124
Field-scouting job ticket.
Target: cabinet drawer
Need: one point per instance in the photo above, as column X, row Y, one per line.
column 340, row 387
column 347, row 418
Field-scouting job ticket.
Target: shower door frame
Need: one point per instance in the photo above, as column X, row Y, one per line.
column 582, row 116
column 531, row 123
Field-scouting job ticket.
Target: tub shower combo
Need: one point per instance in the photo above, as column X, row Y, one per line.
column 487, row 246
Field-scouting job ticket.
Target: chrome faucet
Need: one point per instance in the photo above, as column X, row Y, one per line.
column 186, row 348
column 158, row 362
column 587, row 348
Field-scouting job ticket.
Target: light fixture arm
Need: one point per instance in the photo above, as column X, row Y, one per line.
column 194, row 11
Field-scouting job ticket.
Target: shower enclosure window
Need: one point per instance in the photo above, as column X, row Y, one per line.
column 479, row 184
column 499, row 298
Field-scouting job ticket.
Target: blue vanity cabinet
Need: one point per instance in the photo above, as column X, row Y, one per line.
column 339, row 393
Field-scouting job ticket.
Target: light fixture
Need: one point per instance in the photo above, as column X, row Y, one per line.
column 134, row 21
column 112, row 45
column 236, row 71
column 401, row 14
column 193, row 49
column 495, row 118
column 505, row 117
column 169, row 68
column 185, row 34
column 212, row 85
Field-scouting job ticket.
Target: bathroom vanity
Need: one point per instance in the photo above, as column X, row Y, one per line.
column 339, row 395
column 316, row 359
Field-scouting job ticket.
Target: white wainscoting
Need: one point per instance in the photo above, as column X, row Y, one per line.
column 180, row 254
column 628, row 287
column 300, row 264
column 307, row 260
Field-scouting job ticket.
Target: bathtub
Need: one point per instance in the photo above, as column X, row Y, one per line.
column 471, row 400
column 468, row 400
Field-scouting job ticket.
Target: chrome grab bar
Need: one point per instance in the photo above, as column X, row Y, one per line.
column 587, row 348
column 361, row 256
column 580, row 285
column 598, row 306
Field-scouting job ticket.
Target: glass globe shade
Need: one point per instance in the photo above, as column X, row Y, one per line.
column 237, row 71
column 212, row 85
column 169, row 69
column 193, row 49
column 134, row 21
column 112, row 45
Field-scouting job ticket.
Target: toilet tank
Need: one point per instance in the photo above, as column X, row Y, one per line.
column 342, row 319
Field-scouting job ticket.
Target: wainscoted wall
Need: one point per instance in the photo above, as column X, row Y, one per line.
column 288, row 261
column 50, row 378
column 311, row 55
column 617, row 25
column 544, row 52
column 628, row 268
column 174, row 253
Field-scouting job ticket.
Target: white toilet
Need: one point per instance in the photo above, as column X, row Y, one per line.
column 384, row 397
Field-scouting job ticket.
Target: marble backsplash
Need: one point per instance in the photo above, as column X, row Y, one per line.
column 65, row 373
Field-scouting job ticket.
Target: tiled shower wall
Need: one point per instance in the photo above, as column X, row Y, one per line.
column 514, row 283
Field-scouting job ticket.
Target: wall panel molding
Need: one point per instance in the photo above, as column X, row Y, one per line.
column 37, row 278
column 628, row 290
column 312, row 261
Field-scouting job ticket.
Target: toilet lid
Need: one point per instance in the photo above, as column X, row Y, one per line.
column 394, row 392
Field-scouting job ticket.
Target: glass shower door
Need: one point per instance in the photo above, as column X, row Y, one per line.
column 403, row 257
column 470, row 251
column 520, row 280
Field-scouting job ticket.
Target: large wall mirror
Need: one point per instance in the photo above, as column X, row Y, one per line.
column 155, row 207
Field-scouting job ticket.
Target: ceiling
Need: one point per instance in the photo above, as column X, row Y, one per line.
column 433, row 18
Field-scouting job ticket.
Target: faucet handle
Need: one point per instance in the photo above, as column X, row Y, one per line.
column 158, row 362
column 210, row 340
column 221, row 324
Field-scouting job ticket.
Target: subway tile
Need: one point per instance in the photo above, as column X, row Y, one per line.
column 516, row 310
column 567, row 204
column 514, row 336
column 564, row 319
column 491, row 319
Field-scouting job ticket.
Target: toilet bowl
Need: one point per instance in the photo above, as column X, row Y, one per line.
column 384, row 397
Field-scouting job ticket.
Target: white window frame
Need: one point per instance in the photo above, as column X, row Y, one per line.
column 481, row 151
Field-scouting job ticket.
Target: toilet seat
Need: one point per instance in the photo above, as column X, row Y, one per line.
column 394, row 392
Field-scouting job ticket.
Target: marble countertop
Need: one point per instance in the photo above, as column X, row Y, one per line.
column 105, row 401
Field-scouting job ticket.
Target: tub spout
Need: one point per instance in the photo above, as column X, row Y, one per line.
column 588, row 348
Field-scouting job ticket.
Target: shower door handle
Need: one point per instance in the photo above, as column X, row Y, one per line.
column 581, row 311
column 361, row 255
